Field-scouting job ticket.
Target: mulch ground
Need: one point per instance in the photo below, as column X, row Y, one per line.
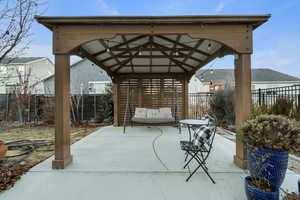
column 9, row 176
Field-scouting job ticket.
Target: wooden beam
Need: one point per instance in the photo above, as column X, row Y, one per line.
column 126, row 62
column 173, row 60
column 119, row 45
column 151, row 53
column 150, row 49
column 109, row 52
column 181, row 44
column 130, row 52
column 150, row 65
column 184, row 55
column 152, row 56
column 174, row 50
column 62, row 112
column 193, row 50
column 127, row 51
column 218, row 53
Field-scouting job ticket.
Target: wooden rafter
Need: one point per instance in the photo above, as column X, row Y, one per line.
column 109, row 52
column 151, row 53
column 121, row 44
column 85, row 54
column 130, row 57
column 125, row 62
column 130, row 52
column 150, row 56
column 117, row 55
column 198, row 44
column 151, row 49
column 209, row 59
column 184, row 55
column 174, row 50
column 172, row 59
column 181, row 44
column 149, row 65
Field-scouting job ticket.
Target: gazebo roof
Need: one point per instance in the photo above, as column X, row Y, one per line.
column 152, row 53
column 254, row 20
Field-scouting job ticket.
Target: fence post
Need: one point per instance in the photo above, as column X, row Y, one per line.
column 298, row 98
column 259, row 96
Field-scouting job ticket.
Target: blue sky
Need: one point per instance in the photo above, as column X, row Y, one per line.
column 276, row 43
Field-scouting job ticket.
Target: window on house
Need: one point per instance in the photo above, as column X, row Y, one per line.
column 21, row 68
column 3, row 69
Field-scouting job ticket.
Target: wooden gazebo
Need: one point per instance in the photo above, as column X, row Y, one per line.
column 154, row 55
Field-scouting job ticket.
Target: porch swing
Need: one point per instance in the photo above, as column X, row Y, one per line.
column 150, row 116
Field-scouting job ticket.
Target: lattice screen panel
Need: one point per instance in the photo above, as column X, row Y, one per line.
column 152, row 93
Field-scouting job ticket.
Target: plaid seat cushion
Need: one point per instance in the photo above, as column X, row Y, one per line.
column 202, row 136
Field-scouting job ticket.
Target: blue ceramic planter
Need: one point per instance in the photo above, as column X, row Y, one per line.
column 276, row 165
column 253, row 193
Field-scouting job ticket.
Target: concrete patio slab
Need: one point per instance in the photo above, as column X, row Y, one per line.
column 144, row 163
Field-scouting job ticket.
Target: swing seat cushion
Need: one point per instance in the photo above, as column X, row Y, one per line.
column 144, row 115
column 152, row 121
column 140, row 113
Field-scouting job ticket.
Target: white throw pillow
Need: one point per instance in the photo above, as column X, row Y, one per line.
column 152, row 113
column 165, row 113
column 140, row 112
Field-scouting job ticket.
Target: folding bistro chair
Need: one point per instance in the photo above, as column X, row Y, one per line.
column 199, row 149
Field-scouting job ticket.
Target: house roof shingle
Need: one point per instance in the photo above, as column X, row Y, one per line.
column 19, row 60
column 258, row 75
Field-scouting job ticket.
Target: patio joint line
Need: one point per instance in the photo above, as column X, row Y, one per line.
column 154, row 149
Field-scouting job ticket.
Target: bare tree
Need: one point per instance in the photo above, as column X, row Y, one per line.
column 16, row 17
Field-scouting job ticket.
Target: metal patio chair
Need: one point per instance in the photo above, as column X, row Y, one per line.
column 199, row 149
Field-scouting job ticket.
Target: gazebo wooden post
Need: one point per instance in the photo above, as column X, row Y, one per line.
column 242, row 102
column 116, row 95
column 62, row 112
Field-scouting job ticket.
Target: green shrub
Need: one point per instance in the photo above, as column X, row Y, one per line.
column 222, row 106
column 259, row 110
column 295, row 114
column 272, row 132
column 282, row 106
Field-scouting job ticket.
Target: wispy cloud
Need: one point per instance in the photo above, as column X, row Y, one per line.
column 220, row 6
column 283, row 56
column 105, row 9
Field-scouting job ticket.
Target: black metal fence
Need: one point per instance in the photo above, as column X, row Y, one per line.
column 269, row 96
column 198, row 104
column 89, row 107
column 41, row 108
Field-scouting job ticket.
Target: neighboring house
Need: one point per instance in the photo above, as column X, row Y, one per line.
column 212, row 80
column 86, row 78
column 13, row 73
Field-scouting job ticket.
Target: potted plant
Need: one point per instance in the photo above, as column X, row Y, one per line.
column 3, row 149
column 256, row 185
column 291, row 196
column 271, row 135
